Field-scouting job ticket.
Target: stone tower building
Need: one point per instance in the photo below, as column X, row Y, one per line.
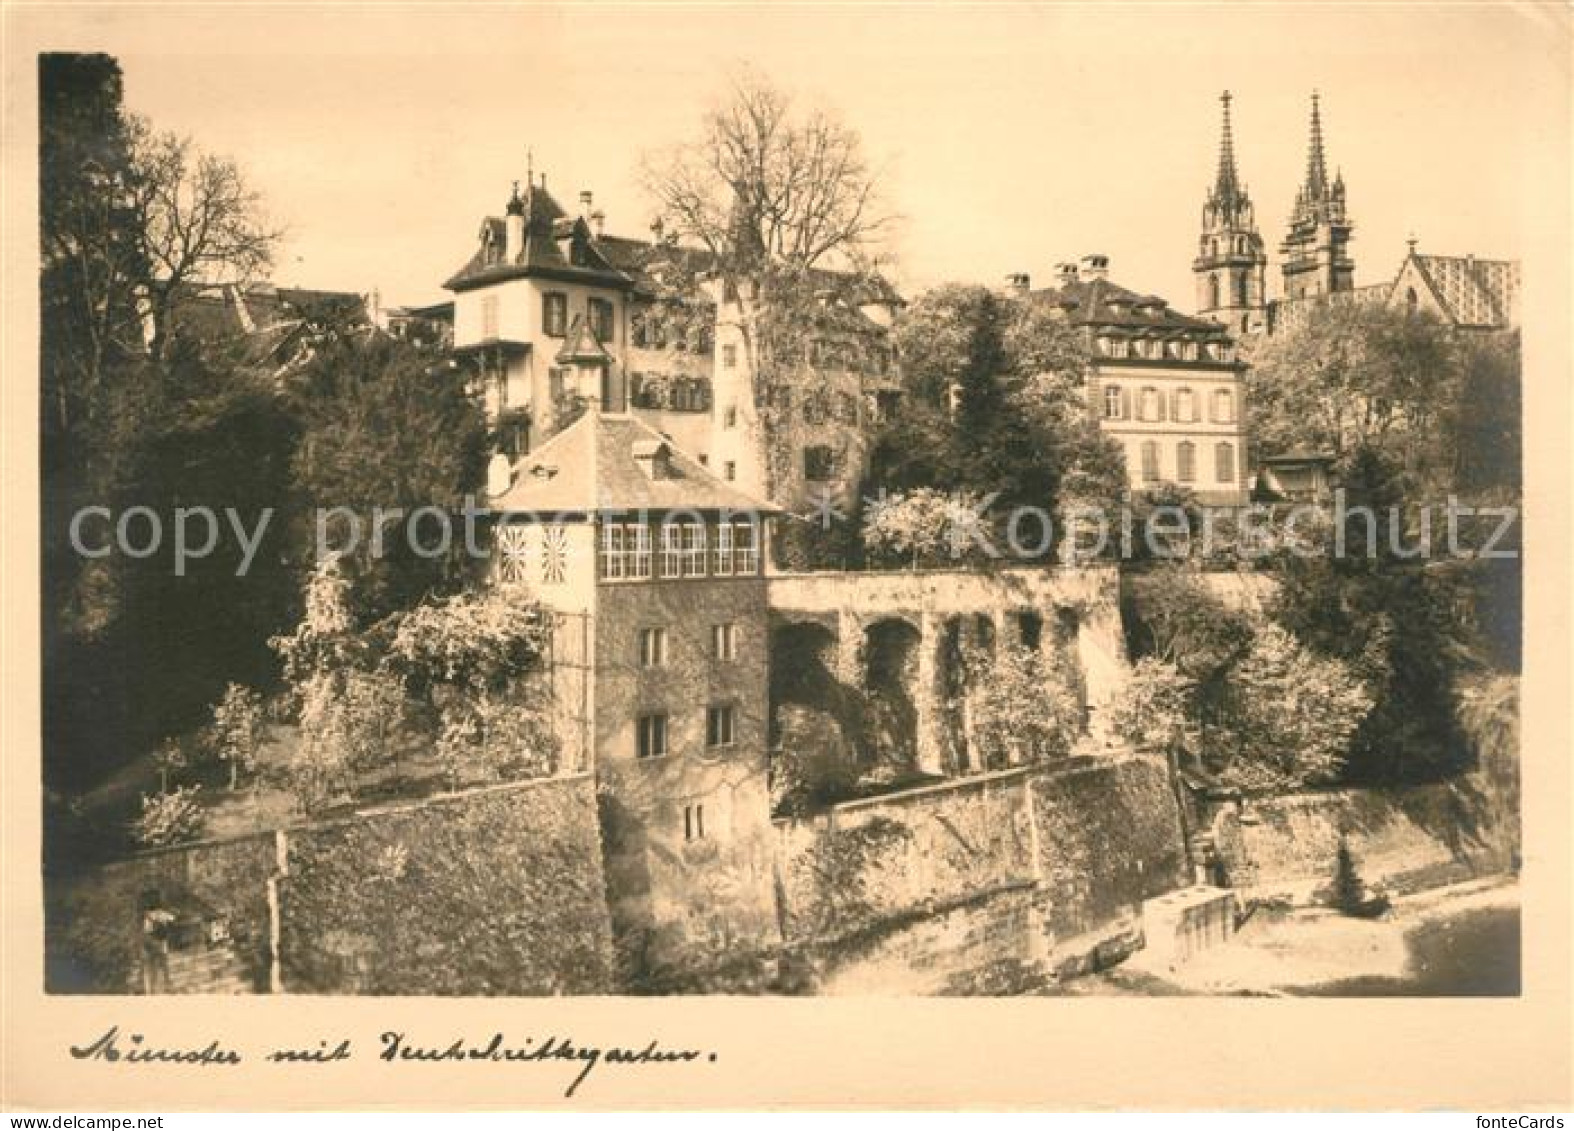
column 1317, row 250
column 1231, row 265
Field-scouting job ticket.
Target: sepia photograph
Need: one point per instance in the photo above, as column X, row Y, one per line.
column 872, row 502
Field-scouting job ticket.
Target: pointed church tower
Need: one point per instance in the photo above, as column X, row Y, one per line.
column 1317, row 250
column 1231, row 264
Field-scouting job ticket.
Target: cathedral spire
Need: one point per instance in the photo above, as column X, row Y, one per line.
column 1316, row 161
column 1227, row 183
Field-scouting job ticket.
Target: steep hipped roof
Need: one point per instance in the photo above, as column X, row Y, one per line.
column 1099, row 303
column 594, row 465
column 549, row 233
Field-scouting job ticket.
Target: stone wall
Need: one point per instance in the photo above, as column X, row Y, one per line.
column 1406, row 838
column 987, row 884
column 493, row 891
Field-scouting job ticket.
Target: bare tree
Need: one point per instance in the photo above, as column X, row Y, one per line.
column 201, row 223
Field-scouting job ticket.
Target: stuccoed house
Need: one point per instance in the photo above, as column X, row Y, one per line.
column 552, row 314
column 655, row 568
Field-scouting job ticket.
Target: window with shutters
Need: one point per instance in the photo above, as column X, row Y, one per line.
column 1185, row 405
column 1150, row 461
column 1223, row 406
column 1186, row 461
column 601, row 321
column 1151, row 405
column 1224, row 462
column 554, row 314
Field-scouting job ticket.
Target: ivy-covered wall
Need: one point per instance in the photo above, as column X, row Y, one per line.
column 93, row 920
column 984, row 884
column 497, row 891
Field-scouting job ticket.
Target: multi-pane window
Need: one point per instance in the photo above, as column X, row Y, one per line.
column 721, row 557
column 745, row 548
column 1224, row 462
column 651, row 736
column 729, row 356
column 694, row 822
column 719, row 726
column 671, row 550
column 652, row 647
column 693, row 549
column 625, row 551
column 554, row 314
column 1186, row 461
column 1112, row 402
column 601, row 323
column 724, row 641
column 1150, row 461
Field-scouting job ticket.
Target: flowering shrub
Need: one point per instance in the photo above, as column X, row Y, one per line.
column 169, row 818
column 474, row 641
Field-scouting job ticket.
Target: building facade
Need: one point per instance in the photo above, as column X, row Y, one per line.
column 554, row 316
column 1166, row 386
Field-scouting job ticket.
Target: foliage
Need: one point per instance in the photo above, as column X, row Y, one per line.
column 1289, row 719
column 235, row 735
column 1155, row 710
column 812, row 764
column 474, row 640
column 1022, row 707
column 506, row 735
column 921, row 526
column 841, row 873
column 169, row 759
column 383, row 427
column 1179, row 621
column 169, row 818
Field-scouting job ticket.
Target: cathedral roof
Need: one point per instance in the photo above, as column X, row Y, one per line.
column 611, row 462
column 1475, row 292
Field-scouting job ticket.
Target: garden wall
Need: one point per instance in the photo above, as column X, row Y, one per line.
column 1406, row 838
column 493, row 891
column 985, row 884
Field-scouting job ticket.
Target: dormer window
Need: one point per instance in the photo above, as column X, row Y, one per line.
column 654, row 458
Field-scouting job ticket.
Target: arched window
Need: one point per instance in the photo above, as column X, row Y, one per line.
column 1150, row 461
column 1151, row 406
column 1224, row 462
column 1111, row 402
column 1185, row 406
column 1241, row 288
column 1186, row 461
column 1223, row 406
column 1411, row 300
column 1213, row 291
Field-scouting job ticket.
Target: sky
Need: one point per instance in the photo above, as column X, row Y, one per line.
column 1008, row 139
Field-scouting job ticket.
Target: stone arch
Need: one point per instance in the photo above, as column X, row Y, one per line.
column 891, row 647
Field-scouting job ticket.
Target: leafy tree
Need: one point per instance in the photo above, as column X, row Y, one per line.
column 1483, row 428
column 169, row 818
column 922, row 526
column 1021, row 708
column 1291, row 716
column 235, row 735
column 1155, row 710
column 1176, row 619
column 383, row 427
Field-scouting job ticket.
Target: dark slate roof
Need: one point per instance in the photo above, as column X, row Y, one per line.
column 1100, row 303
column 593, row 465
column 1476, row 292
column 547, row 229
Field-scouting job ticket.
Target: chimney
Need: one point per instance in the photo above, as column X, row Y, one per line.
column 1067, row 272
column 514, row 228
column 585, row 197
column 1095, row 267
column 598, row 222
column 1019, row 283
